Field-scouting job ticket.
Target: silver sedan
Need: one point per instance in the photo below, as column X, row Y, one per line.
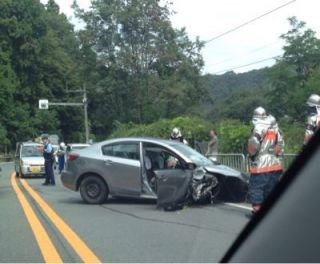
column 147, row 168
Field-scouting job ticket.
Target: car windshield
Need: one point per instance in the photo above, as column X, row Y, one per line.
column 31, row 151
column 192, row 154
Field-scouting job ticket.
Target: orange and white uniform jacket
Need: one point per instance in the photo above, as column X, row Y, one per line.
column 313, row 124
column 265, row 147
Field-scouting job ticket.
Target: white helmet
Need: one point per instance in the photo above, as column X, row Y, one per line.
column 176, row 133
column 314, row 100
column 62, row 145
column 259, row 115
column 259, row 112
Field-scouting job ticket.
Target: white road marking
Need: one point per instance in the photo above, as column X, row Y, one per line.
column 239, row 206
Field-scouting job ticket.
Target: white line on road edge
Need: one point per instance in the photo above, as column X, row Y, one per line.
column 239, row 206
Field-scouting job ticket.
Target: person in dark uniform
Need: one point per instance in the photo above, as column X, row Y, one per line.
column 48, row 161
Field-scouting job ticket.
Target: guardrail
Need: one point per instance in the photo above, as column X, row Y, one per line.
column 234, row 160
column 238, row 160
column 241, row 162
column 6, row 158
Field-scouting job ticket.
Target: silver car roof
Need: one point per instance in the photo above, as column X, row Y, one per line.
column 169, row 144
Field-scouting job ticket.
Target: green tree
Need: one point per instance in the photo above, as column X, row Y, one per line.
column 62, row 72
column 296, row 74
column 39, row 57
column 146, row 68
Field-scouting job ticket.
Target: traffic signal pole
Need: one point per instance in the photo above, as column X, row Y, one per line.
column 85, row 109
column 44, row 104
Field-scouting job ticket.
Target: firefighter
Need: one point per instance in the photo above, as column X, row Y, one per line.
column 177, row 136
column 313, row 121
column 265, row 148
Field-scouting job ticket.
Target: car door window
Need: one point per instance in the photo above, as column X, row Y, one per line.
column 122, row 150
column 171, row 161
column 161, row 158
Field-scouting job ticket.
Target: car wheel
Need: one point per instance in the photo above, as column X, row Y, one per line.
column 93, row 190
column 20, row 174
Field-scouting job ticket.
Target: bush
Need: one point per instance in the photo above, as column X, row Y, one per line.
column 232, row 134
column 193, row 128
column 293, row 135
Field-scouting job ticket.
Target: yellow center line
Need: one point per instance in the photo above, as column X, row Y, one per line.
column 80, row 247
column 45, row 244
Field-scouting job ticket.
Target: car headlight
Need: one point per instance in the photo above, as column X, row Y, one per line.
column 199, row 173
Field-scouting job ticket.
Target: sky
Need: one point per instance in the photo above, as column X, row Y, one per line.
column 254, row 42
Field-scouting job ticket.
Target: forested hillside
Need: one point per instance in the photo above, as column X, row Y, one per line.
column 240, row 92
column 221, row 86
column 283, row 89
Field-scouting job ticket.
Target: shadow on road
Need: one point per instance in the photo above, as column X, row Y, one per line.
column 112, row 200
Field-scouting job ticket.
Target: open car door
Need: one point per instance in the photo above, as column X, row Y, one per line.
column 172, row 187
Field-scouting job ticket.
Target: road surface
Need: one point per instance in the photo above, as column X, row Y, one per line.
column 52, row 224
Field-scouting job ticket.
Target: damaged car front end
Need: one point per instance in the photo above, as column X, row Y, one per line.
column 198, row 180
column 198, row 186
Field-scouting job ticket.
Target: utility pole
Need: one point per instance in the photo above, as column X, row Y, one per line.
column 44, row 104
column 85, row 109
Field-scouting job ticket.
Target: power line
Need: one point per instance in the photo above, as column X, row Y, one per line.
column 231, row 58
column 249, row 64
column 248, row 22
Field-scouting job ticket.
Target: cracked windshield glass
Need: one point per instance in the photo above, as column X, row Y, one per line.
column 148, row 130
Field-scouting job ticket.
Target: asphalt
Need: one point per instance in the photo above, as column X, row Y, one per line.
column 121, row 230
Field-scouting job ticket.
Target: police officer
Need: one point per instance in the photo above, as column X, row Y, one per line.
column 48, row 161
column 265, row 148
column 177, row 136
column 313, row 121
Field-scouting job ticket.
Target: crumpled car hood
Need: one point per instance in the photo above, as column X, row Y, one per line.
column 224, row 170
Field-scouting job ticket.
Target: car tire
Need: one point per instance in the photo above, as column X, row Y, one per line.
column 93, row 190
column 17, row 174
column 20, row 174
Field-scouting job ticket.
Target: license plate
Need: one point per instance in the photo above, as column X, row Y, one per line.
column 35, row 169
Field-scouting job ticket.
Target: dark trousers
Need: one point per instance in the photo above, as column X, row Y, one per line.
column 48, row 165
column 61, row 163
column 261, row 185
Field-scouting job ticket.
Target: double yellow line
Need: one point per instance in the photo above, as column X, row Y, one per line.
column 48, row 250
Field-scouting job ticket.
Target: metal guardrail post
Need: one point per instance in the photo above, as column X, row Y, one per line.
column 6, row 158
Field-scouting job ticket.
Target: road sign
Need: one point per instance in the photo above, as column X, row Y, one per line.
column 43, row 104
